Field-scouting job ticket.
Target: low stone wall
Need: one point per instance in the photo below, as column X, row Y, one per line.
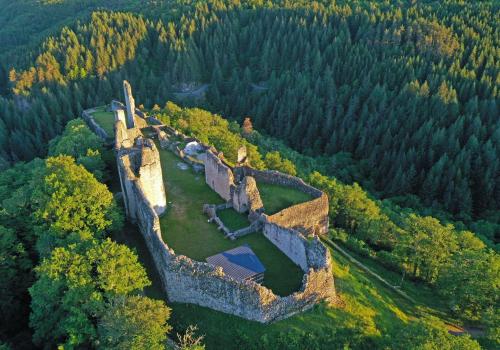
column 96, row 128
column 254, row 227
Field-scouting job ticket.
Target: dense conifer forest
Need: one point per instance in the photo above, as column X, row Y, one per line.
column 390, row 107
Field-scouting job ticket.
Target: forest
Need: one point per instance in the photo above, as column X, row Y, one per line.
column 391, row 108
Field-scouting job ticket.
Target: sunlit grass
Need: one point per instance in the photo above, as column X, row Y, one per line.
column 276, row 198
column 232, row 219
column 105, row 119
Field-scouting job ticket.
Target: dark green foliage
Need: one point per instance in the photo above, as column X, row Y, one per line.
column 422, row 334
column 79, row 142
column 471, row 283
column 16, row 277
column 134, row 322
column 74, row 286
column 419, row 78
column 56, row 209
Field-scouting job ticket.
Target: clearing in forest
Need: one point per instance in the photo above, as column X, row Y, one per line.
column 186, row 229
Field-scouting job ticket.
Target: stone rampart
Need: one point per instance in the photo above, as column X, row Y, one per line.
column 139, row 162
column 189, row 281
column 93, row 125
column 308, row 217
column 219, row 176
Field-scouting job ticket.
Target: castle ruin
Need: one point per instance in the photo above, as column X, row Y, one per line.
column 130, row 103
column 295, row 230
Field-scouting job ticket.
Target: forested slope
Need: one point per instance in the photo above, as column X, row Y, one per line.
column 400, row 97
column 411, row 92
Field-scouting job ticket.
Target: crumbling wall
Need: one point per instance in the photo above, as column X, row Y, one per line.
column 120, row 116
column 139, row 161
column 289, row 242
column 151, row 177
column 246, row 198
column 308, row 217
column 93, row 125
column 219, row 176
column 277, row 178
column 129, row 103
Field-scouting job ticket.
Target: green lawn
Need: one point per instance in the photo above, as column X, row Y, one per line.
column 276, row 198
column 232, row 219
column 105, row 119
column 186, row 229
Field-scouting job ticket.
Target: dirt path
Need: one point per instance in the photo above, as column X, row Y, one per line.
column 367, row 269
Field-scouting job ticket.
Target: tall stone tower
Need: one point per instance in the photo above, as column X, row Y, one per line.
column 130, row 103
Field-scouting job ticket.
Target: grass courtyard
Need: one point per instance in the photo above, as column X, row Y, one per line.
column 105, row 119
column 232, row 219
column 186, row 229
column 276, row 198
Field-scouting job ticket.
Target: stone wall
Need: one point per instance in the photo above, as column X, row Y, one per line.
column 139, row 165
column 219, row 176
column 277, row 178
column 189, row 281
column 96, row 128
column 129, row 103
column 246, row 198
column 310, row 217
column 289, row 242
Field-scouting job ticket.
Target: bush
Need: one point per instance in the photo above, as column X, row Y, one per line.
column 338, row 234
column 358, row 246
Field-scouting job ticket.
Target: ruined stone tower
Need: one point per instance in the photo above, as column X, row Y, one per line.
column 139, row 164
column 130, row 103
